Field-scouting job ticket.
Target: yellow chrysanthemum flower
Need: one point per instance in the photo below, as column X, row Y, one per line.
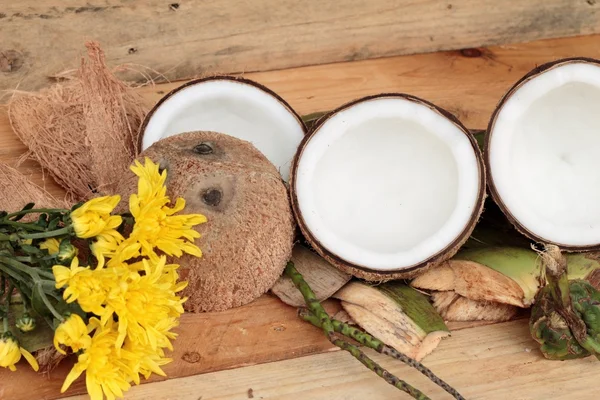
column 144, row 360
column 107, row 372
column 50, row 244
column 73, row 333
column 88, row 287
column 11, row 352
column 156, row 226
column 145, row 301
column 151, row 184
column 93, row 217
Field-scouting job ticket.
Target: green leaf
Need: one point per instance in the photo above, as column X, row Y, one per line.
column 32, row 250
column 35, row 340
column 42, row 220
column 65, row 308
column 28, row 206
column 53, row 224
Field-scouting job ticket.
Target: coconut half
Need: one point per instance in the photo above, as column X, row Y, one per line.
column 387, row 185
column 238, row 107
column 542, row 154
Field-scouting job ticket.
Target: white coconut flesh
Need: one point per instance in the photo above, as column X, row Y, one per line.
column 544, row 155
column 233, row 107
column 387, row 183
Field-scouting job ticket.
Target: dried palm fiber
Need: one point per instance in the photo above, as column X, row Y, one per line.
column 84, row 131
column 16, row 191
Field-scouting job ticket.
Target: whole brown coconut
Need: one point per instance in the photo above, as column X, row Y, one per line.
column 248, row 238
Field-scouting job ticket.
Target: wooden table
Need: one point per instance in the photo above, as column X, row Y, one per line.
column 263, row 351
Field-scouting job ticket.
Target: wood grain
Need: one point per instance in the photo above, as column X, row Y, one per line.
column 495, row 362
column 265, row 330
column 178, row 40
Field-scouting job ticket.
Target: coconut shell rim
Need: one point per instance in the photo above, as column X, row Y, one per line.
column 486, row 150
column 370, row 273
column 230, row 78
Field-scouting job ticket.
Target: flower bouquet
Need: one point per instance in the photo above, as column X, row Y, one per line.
column 99, row 280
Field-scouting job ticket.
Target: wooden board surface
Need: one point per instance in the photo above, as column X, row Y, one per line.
column 469, row 84
column 497, row 362
column 182, row 39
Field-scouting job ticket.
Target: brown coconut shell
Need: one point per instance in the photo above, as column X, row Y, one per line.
column 364, row 272
column 249, row 235
column 487, row 143
column 16, row 190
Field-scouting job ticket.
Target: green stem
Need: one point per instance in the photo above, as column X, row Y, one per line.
column 23, row 225
column 37, row 211
column 24, row 298
column 42, row 235
column 26, row 268
column 373, row 343
column 47, row 303
column 380, row 371
column 11, row 288
column 325, row 323
column 12, row 273
column 5, row 324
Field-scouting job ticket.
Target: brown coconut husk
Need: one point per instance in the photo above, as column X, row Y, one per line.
column 84, row 131
column 16, row 191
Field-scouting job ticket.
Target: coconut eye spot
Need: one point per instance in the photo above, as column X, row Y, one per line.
column 212, row 197
column 203, row 148
column 387, row 183
column 544, row 155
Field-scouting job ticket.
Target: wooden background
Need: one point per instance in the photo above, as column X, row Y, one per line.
column 176, row 39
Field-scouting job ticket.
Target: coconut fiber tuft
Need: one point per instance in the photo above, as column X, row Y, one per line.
column 16, row 191
column 84, row 131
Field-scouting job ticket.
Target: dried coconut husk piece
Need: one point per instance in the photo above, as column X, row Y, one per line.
column 16, row 191
column 396, row 314
column 323, row 278
column 454, row 307
column 84, row 131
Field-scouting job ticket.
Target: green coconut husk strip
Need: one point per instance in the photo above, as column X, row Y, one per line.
column 564, row 319
column 396, row 313
column 509, row 275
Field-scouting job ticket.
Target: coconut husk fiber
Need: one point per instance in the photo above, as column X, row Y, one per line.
column 84, row 131
column 16, row 191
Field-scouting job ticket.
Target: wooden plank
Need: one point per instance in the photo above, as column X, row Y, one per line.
column 265, row 330
column 495, row 362
column 178, row 40
column 469, row 84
